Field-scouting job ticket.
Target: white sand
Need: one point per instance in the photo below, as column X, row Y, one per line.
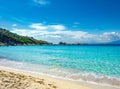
column 18, row 79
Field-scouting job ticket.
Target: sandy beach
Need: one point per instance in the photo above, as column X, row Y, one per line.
column 18, row 79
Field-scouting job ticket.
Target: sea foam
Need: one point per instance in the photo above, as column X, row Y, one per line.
column 64, row 73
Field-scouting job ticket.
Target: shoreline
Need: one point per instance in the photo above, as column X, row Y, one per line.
column 63, row 74
column 57, row 83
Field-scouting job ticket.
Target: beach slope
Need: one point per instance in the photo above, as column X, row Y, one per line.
column 17, row 79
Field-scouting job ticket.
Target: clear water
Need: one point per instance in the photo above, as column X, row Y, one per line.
column 99, row 64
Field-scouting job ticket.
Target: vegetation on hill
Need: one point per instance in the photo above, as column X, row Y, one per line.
column 9, row 38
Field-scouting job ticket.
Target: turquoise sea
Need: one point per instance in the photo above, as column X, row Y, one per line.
column 96, row 64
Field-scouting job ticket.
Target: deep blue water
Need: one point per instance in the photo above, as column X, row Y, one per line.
column 94, row 60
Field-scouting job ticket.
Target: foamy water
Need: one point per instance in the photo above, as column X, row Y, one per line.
column 73, row 75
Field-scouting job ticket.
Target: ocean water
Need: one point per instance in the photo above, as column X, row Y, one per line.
column 95, row 64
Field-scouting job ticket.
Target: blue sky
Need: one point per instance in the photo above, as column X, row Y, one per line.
column 87, row 21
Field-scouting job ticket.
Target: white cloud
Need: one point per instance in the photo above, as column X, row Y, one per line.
column 108, row 36
column 22, row 32
column 41, row 2
column 56, row 33
column 57, row 27
column 14, row 25
column 41, row 26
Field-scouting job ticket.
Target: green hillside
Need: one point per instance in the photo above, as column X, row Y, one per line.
column 9, row 38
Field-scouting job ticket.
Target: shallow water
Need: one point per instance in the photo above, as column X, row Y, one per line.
column 100, row 64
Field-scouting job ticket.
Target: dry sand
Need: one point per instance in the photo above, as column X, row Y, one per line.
column 18, row 79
